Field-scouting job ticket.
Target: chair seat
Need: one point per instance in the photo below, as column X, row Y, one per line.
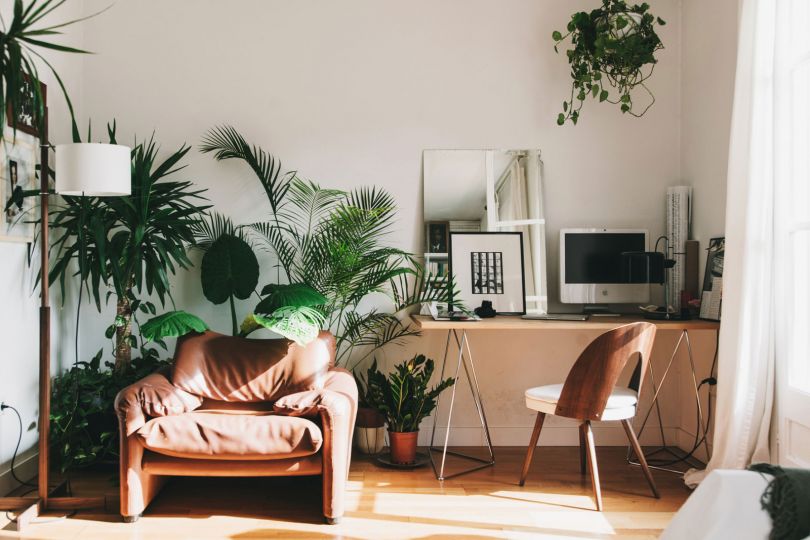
column 620, row 405
column 253, row 435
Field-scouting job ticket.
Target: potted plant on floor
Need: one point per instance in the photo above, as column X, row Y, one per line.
column 369, row 428
column 404, row 400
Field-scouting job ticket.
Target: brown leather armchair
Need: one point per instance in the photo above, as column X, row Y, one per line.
column 238, row 407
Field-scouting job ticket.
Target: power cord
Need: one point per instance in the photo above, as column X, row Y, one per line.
column 699, row 438
column 3, row 407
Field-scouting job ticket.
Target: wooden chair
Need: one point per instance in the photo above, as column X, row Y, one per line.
column 590, row 393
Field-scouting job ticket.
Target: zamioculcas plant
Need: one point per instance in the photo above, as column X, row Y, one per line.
column 613, row 52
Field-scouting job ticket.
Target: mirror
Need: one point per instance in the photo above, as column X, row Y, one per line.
column 486, row 191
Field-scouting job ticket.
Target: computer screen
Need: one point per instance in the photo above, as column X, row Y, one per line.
column 597, row 258
column 603, row 266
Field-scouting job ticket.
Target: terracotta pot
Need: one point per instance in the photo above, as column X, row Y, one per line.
column 403, row 446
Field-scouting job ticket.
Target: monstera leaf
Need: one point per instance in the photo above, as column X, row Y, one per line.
column 300, row 324
column 289, row 295
column 229, row 268
column 171, row 324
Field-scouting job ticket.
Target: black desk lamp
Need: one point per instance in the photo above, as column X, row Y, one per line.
column 651, row 267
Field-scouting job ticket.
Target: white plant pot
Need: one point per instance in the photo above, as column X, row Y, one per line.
column 369, row 440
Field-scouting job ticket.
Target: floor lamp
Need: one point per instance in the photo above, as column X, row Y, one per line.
column 85, row 169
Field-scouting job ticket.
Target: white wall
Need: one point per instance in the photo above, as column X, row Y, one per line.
column 19, row 302
column 349, row 93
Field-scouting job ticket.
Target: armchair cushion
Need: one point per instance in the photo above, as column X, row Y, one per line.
column 231, row 435
column 152, row 396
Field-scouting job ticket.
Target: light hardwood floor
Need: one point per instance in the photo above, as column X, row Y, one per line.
column 382, row 503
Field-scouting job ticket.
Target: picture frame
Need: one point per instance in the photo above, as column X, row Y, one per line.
column 489, row 266
column 18, row 161
column 711, row 296
column 437, row 236
column 25, row 119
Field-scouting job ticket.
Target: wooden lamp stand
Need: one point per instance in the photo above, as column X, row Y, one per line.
column 28, row 508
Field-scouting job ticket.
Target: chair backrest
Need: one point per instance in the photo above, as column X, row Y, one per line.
column 596, row 371
column 235, row 369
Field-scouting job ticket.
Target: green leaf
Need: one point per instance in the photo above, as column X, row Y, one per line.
column 171, row 324
column 300, row 324
column 229, row 268
column 603, row 95
column 560, row 119
column 556, row 36
column 290, row 295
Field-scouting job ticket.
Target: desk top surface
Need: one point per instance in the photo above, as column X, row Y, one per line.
column 510, row 322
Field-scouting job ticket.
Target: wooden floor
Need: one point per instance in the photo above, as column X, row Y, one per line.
column 382, row 503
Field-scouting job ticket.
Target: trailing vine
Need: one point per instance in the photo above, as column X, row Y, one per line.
column 613, row 53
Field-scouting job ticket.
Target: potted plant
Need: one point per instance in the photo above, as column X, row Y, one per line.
column 369, row 428
column 613, row 53
column 404, row 399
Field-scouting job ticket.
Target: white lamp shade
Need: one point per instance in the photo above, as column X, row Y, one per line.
column 94, row 169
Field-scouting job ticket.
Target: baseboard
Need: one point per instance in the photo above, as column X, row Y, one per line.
column 25, row 466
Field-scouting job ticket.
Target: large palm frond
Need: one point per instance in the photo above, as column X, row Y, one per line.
column 227, row 143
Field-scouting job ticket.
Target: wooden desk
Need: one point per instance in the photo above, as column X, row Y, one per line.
column 510, row 322
column 457, row 331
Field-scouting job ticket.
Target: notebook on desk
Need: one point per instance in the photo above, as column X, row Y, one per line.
column 555, row 317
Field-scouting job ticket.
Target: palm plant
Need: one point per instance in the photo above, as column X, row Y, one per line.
column 18, row 59
column 335, row 242
column 131, row 243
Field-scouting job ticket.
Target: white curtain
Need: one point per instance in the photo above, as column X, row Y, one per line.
column 512, row 205
column 745, row 379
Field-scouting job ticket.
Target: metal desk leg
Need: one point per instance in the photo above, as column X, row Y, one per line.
column 701, row 427
column 462, row 343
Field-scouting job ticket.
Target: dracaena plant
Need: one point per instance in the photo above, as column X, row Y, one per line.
column 403, row 396
column 131, row 244
column 612, row 53
column 20, row 42
column 336, row 243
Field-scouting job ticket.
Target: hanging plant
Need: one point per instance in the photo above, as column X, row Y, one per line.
column 613, row 53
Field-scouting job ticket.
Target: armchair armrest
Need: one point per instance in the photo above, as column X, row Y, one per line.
column 336, row 404
column 153, row 395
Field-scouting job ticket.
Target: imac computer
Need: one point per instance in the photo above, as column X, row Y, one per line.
column 594, row 268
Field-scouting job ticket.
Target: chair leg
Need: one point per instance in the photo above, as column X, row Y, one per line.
column 538, row 425
column 597, row 490
column 631, row 435
column 582, row 460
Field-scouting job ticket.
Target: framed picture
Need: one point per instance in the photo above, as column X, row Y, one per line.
column 711, row 297
column 489, row 266
column 18, row 159
column 437, row 236
column 25, row 116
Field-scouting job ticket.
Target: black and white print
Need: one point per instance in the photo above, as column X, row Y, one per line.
column 487, row 272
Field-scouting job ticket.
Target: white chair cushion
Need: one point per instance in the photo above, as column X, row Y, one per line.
column 620, row 405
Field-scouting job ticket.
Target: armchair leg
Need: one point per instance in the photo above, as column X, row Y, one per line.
column 597, row 490
column 332, row 520
column 631, row 435
column 131, row 519
column 538, row 425
column 583, row 467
